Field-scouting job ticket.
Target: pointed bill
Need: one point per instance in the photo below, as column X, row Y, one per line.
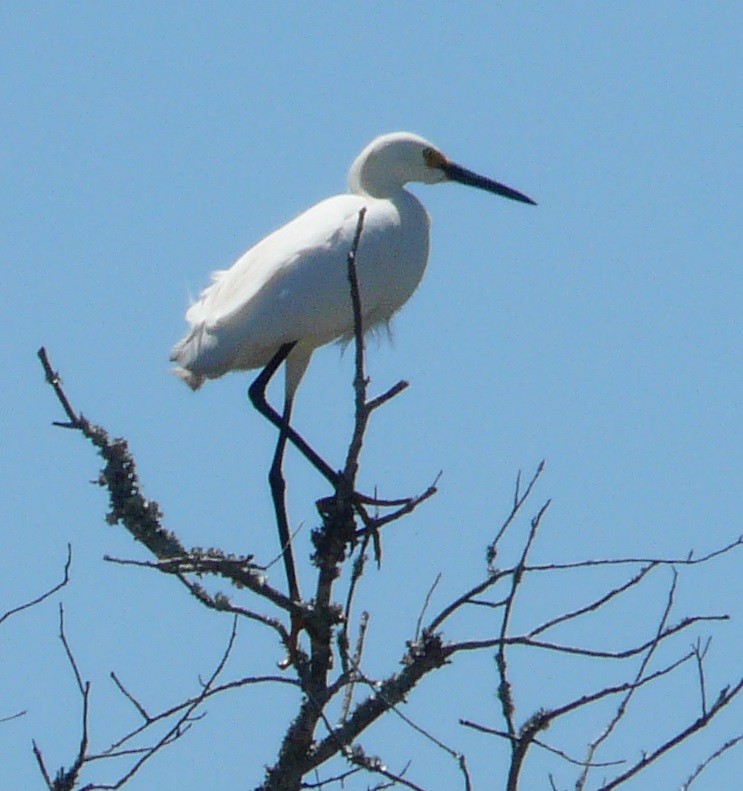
column 463, row 176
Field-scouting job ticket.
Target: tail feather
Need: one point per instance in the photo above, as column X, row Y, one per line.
column 189, row 346
column 194, row 381
column 185, row 353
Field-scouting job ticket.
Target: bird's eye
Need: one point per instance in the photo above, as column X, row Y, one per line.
column 434, row 158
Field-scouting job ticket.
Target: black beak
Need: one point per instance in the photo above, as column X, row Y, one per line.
column 464, row 176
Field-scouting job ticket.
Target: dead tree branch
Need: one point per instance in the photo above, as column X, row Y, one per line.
column 330, row 672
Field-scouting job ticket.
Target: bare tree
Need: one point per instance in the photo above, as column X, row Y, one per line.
column 323, row 638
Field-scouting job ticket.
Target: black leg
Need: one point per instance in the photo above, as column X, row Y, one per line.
column 278, row 489
column 257, row 393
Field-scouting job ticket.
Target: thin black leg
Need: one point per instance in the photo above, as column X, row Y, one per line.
column 257, row 393
column 278, row 490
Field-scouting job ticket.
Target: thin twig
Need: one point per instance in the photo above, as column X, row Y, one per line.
column 53, row 379
column 42, row 766
column 221, row 603
column 68, row 651
column 407, row 507
column 216, row 690
column 476, row 726
column 504, row 688
column 518, row 501
column 339, row 778
column 689, row 560
column 725, row 697
column 358, row 757
column 596, row 604
column 15, row 716
column 392, row 706
column 465, row 598
column 699, row 654
column 356, row 662
column 176, row 730
column 128, row 695
column 426, row 602
column 237, row 570
column 525, row 640
column 67, row 779
column 729, row 744
column 382, row 399
column 359, row 380
column 50, row 592
column 625, row 701
column 543, row 719
column 357, row 571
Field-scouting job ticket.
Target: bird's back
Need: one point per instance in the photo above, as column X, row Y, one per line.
column 293, row 285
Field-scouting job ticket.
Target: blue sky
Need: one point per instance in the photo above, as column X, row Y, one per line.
column 144, row 146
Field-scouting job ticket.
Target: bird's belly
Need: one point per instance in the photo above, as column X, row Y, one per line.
column 311, row 301
column 321, row 309
column 308, row 298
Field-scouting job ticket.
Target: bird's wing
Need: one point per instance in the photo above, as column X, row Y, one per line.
column 233, row 290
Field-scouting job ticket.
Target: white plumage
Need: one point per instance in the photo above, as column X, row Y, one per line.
column 292, row 287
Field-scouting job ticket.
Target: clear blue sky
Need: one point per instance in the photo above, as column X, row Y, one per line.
column 144, row 145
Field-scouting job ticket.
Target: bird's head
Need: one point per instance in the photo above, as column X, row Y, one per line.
column 394, row 159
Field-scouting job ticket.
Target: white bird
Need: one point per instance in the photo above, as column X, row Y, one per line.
column 292, row 287
column 290, row 294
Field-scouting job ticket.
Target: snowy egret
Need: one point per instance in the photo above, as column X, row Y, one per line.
column 289, row 294
column 292, row 286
